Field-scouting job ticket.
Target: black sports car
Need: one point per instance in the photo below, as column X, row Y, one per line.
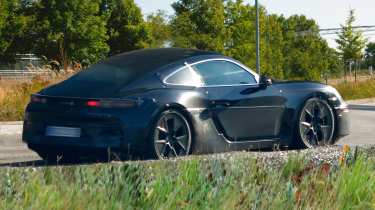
column 162, row 103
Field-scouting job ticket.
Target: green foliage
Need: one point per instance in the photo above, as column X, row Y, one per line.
column 86, row 31
column 198, row 24
column 3, row 18
column 70, row 31
column 350, row 42
column 14, row 23
column 354, row 186
column 126, row 28
column 230, row 28
column 304, row 50
column 240, row 37
column 159, row 28
column 370, row 54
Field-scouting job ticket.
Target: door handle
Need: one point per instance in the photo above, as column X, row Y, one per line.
column 220, row 103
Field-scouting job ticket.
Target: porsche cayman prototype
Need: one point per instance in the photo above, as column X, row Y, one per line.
column 165, row 103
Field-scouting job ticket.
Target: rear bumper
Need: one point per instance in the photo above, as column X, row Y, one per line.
column 93, row 137
column 343, row 123
column 95, row 143
column 96, row 135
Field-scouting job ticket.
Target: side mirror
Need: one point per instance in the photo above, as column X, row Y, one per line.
column 265, row 81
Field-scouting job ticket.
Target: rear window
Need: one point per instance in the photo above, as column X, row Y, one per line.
column 103, row 73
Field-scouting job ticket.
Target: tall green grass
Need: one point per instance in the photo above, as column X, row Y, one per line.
column 235, row 183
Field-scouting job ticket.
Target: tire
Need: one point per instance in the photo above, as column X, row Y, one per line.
column 315, row 124
column 171, row 136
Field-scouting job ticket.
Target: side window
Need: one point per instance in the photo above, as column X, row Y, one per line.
column 185, row 76
column 223, row 73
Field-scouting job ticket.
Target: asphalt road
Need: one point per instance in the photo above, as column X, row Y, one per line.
column 362, row 119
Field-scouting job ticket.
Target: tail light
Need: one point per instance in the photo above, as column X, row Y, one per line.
column 111, row 103
column 38, row 99
column 93, row 103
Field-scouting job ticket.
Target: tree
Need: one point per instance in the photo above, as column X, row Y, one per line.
column 198, row 24
column 14, row 23
column 240, row 37
column 126, row 28
column 70, row 31
column 159, row 28
column 229, row 27
column 370, row 54
column 305, row 51
column 350, row 42
column 4, row 43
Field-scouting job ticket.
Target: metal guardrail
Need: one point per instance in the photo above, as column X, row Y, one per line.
column 23, row 74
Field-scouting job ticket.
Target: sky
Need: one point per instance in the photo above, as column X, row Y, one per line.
column 327, row 13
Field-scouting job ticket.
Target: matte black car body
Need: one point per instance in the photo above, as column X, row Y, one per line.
column 223, row 118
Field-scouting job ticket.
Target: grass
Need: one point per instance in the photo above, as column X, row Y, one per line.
column 359, row 90
column 15, row 95
column 198, row 183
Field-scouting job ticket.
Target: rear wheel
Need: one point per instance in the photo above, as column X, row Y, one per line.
column 316, row 124
column 172, row 135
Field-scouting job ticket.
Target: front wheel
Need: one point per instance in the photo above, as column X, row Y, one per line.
column 316, row 124
column 172, row 135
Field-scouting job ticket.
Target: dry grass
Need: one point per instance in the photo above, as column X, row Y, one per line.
column 350, row 79
column 14, row 96
column 3, row 92
column 359, row 90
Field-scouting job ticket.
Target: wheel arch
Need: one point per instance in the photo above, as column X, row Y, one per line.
column 181, row 109
column 175, row 106
column 317, row 94
column 324, row 96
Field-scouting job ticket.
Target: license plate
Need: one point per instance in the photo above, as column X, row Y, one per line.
column 57, row 131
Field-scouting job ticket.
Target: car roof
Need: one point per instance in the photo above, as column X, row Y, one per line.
column 152, row 59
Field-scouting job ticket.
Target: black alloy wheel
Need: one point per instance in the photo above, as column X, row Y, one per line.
column 172, row 135
column 316, row 123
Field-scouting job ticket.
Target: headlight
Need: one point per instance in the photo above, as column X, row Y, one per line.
column 336, row 95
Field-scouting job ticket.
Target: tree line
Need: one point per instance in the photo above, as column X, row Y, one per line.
column 85, row 31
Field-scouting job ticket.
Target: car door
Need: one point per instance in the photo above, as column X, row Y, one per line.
column 240, row 107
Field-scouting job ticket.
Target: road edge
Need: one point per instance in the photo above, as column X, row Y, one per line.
column 11, row 123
